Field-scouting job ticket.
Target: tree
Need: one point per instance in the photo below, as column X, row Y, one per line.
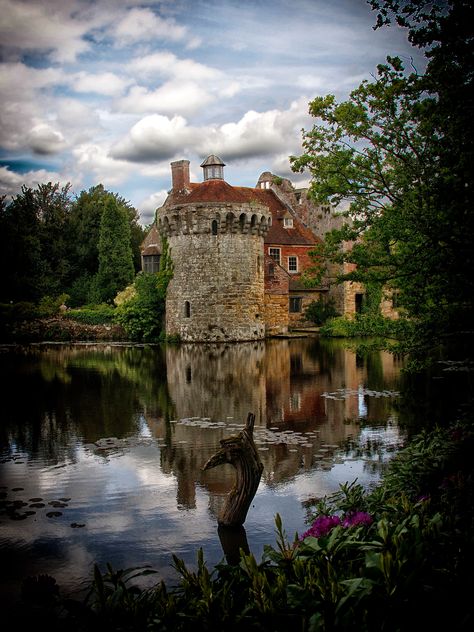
column 399, row 151
column 34, row 229
column 115, row 253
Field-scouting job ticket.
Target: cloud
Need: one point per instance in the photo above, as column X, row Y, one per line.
column 92, row 157
column 51, row 27
column 167, row 64
column 105, row 83
column 142, row 24
column 44, row 139
column 155, row 138
column 148, row 206
column 258, row 133
column 173, row 97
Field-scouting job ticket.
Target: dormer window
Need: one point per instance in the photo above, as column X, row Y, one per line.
column 265, row 184
column 288, row 222
column 213, row 168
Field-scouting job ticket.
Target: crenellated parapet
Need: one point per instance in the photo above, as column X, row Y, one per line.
column 211, row 218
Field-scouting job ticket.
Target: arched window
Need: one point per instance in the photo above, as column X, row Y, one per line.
column 187, row 309
column 214, row 226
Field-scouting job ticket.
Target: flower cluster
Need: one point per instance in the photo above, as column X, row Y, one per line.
column 324, row 524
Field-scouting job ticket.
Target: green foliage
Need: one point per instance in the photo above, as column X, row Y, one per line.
column 50, row 305
column 318, row 312
column 366, row 325
column 115, row 254
column 34, row 242
column 93, row 314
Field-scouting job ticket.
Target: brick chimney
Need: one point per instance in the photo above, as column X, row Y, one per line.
column 180, row 175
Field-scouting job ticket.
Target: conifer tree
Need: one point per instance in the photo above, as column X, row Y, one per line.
column 116, row 269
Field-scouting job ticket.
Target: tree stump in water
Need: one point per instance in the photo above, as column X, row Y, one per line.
column 239, row 451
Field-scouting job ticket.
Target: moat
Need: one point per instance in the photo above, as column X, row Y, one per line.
column 102, row 446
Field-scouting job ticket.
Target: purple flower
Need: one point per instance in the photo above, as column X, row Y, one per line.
column 356, row 518
column 321, row 526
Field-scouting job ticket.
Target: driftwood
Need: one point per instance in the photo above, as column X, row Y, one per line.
column 240, row 451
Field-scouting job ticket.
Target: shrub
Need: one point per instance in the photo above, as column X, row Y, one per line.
column 318, row 312
column 142, row 315
column 50, row 305
column 93, row 314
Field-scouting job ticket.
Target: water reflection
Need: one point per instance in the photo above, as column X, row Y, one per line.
column 123, row 432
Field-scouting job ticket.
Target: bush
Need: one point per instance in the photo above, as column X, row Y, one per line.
column 366, row 325
column 142, row 315
column 93, row 314
column 50, row 305
column 17, row 312
column 318, row 312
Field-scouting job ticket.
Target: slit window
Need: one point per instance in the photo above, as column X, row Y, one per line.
column 214, row 227
column 187, row 309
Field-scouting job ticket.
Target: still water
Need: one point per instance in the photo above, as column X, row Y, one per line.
column 102, row 447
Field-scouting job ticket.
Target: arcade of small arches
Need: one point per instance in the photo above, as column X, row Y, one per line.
column 214, row 223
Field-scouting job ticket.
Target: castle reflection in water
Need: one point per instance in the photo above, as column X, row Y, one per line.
column 301, row 389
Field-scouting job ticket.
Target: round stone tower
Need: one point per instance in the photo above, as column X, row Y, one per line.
column 215, row 234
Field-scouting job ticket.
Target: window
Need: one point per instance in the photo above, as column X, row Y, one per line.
column 296, row 303
column 214, row 227
column 288, row 222
column 292, row 264
column 265, row 184
column 274, row 254
column 359, row 301
column 151, row 263
column 187, row 309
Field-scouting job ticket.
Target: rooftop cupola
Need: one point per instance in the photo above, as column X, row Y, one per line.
column 213, row 168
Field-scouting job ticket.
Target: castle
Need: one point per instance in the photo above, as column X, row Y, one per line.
column 238, row 254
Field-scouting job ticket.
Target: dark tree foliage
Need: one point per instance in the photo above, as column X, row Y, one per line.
column 34, row 242
column 400, row 151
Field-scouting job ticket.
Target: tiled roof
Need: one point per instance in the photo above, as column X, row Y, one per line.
column 221, row 191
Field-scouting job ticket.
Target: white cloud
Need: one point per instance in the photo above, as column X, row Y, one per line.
column 148, row 206
column 156, row 137
column 94, row 158
column 44, row 139
column 258, row 133
column 173, row 97
column 142, row 24
column 167, row 64
column 106, row 83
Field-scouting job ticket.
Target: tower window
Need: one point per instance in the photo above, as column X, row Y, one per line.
column 187, row 309
column 274, row 254
column 292, row 264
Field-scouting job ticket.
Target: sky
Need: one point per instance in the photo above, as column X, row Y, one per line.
column 112, row 91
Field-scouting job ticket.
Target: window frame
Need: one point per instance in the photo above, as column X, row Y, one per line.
column 295, row 270
column 272, row 251
column 295, row 304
